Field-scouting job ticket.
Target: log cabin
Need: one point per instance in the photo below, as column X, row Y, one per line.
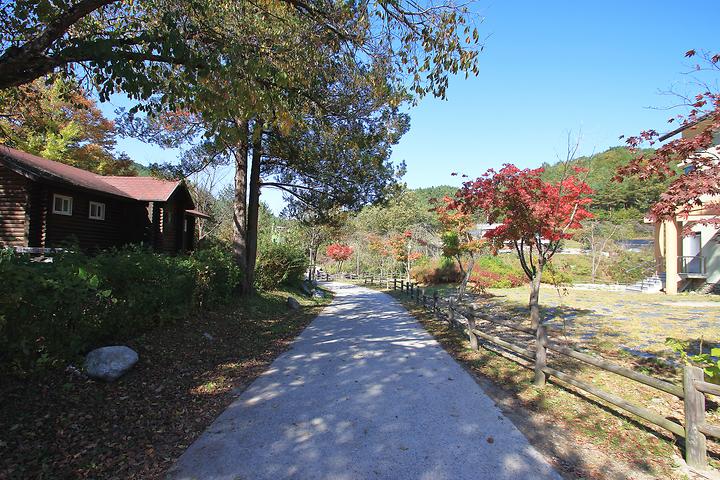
column 46, row 204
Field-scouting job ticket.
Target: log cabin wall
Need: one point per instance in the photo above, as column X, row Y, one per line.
column 14, row 223
column 37, row 214
column 119, row 227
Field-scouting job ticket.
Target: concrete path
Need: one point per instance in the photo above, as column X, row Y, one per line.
column 364, row 393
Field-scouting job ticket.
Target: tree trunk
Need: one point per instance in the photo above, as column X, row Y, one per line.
column 253, row 209
column 240, row 205
column 466, row 278
column 535, row 299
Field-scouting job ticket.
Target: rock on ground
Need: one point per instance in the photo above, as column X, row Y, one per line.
column 110, row 363
column 293, row 304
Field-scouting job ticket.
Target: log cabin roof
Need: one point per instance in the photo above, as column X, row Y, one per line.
column 146, row 189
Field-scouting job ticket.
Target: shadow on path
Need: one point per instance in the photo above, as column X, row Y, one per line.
column 364, row 392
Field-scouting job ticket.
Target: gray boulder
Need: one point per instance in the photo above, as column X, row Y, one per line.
column 293, row 304
column 110, row 363
column 318, row 294
column 307, row 288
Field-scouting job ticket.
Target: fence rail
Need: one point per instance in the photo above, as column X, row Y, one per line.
column 692, row 392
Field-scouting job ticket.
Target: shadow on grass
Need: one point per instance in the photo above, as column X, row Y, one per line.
column 511, row 386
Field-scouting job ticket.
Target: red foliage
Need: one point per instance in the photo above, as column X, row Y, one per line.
column 528, row 208
column 694, row 153
column 482, row 279
column 339, row 252
column 534, row 215
column 399, row 246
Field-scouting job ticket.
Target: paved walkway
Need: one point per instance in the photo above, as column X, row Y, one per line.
column 364, row 393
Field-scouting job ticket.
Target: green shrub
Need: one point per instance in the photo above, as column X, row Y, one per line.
column 279, row 263
column 54, row 311
column 557, row 274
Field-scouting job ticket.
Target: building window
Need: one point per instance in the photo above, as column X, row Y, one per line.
column 97, row 211
column 62, row 205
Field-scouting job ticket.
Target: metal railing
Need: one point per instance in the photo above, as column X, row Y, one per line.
column 692, row 266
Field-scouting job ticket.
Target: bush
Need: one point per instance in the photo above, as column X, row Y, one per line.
column 279, row 263
column 493, row 272
column 436, row 271
column 54, row 311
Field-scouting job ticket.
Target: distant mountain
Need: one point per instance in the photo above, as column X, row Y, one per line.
column 426, row 193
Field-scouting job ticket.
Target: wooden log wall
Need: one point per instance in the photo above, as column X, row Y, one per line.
column 13, row 207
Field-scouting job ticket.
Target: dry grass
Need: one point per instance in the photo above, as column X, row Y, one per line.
column 637, row 448
column 62, row 425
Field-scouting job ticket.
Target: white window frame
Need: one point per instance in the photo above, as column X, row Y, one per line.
column 62, row 198
column 101, row 208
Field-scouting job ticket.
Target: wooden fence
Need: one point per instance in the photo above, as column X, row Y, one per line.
column 693, row 390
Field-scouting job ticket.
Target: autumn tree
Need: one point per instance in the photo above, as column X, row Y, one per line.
column 697, row 153
column 339, row 252
column 160, row 47
column 401, row 246
column 242, row 72
column 55, row 119
column 534, row 216
column 457, row 238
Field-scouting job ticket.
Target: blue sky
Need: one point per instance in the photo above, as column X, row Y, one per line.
column 548, row 68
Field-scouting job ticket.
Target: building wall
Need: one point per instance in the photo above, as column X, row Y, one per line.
column 710, row 249
column 125, row 221
column 13, row 203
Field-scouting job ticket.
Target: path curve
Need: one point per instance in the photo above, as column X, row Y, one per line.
column 364, row 393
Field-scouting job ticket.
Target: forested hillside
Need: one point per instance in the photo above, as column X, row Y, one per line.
column 631, row 196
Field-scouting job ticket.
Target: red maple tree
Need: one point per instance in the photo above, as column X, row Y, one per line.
column 694, row 153
column 534, row 216
column 339, row 252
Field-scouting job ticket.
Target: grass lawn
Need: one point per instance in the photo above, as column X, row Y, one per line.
column 59, row 424
column 636, row 323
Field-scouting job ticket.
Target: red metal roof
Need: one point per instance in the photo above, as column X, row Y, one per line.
column 147, row 189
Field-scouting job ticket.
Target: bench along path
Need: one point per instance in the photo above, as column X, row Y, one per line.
column 364, row 393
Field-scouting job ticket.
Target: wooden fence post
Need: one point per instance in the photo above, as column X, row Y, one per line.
column 371, row 280
column 695, row 443
column 435, row 301
column 471, row 334
column 394, row 283
column 451, row 312
column 424, row 298
column 540, row 354
column 402, row 286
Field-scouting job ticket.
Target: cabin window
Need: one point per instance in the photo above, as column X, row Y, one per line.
column 62, row 205
column 97, row 211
